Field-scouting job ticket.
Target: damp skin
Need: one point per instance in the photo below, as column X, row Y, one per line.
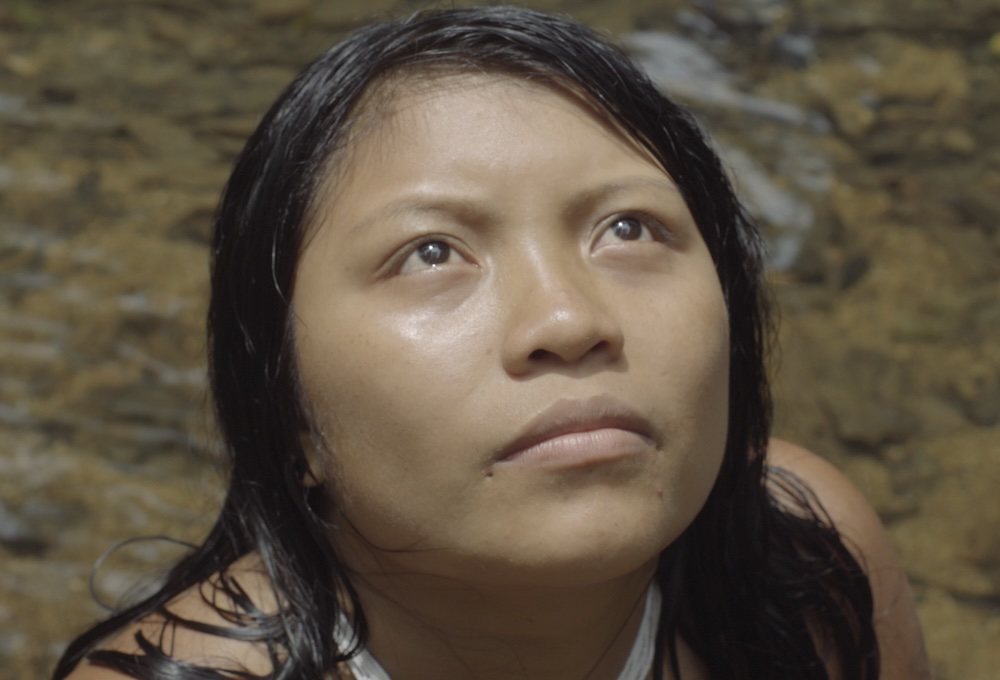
column 495, row 262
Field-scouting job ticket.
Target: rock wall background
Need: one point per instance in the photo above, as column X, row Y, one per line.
column 864, row 133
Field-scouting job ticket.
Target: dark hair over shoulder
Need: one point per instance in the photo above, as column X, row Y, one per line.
column 750, row 585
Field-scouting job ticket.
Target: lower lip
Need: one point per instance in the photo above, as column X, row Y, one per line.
column 581, row 449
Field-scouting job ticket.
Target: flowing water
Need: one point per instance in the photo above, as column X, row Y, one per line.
column 864, row 134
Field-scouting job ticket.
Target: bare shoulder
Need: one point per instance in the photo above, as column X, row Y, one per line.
column 896, row 624
column 205, row 604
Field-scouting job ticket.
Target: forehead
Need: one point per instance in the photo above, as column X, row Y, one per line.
column 395, row 95
column 451, row 113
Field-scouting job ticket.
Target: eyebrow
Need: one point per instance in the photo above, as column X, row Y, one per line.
column 475, row 211
column 589, row 199
column 471, row 209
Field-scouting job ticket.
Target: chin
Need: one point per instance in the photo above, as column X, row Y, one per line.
column 582, row 555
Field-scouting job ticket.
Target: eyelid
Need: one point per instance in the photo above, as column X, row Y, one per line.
column 657, row 227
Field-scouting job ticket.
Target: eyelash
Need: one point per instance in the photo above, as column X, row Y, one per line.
column 413, row 251
column 657, row 231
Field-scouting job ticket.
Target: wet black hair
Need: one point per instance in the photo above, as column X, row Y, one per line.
column 758, row 589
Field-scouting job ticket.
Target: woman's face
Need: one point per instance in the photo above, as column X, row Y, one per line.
column 511, row 340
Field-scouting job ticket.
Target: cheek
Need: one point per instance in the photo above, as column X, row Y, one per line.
column 690, row 348
column 695, row 376
column 389, row 406
column 712, row 408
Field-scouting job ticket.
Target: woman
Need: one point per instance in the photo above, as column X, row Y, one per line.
column 487, row 350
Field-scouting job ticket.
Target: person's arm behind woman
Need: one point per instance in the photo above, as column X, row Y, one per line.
column 897, row 628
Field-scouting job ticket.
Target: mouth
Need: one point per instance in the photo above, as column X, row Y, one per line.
column 579, row 433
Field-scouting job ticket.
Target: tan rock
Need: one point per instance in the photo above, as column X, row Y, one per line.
column 959, row 142
column 875, row 481
column 917, row 74
column 240, row 127
column 275, row 11
column 994, row 44
column 24, row 65
column 855, row 207
column 161, row 137
column 961, row 640
column 615, row 17
column 956, row 141
column 844, row 90
column 341, row 14
column 170, row 27
column 947, row 543
column 852, row 117
column 854, row 92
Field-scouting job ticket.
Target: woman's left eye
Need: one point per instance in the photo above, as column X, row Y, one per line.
column 429, row 255
column 626, row 228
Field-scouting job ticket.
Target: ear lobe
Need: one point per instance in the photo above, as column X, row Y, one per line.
column 309, row 467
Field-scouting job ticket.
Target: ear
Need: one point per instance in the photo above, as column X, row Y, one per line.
column 311, row 465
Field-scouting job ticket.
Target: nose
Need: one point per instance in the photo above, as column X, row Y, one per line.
column 558, row 319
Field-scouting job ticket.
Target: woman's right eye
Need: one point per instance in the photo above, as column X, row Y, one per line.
column 427, row 255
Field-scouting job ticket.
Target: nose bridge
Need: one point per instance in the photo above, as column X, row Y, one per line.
column 556, row 310
column 550, row 267
column 561, row 283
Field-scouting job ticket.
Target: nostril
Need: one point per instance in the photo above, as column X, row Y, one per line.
column 567, row 353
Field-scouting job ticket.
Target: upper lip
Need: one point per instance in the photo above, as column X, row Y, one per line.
column 568, row 416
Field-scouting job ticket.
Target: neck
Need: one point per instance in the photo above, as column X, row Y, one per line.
column 423, row 627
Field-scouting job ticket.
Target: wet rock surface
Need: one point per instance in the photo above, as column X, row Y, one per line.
column 865, row 135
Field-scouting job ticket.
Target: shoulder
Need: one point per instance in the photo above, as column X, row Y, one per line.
column 896, row 624
column 203, row 605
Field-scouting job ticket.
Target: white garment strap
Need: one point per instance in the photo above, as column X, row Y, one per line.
column 363, row 665
column 640, row 659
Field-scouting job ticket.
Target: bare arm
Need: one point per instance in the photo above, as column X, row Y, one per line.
column 900, row 639
column 190, row 646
